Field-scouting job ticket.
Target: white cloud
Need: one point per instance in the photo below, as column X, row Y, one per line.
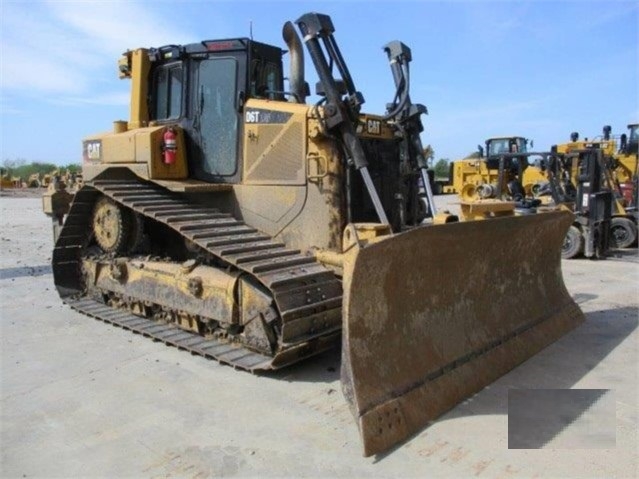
column 68, row 48
column 38, row 54
column 115, row 26
column 42, row 74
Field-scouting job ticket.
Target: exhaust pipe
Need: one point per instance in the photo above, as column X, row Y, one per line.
column 296, row 52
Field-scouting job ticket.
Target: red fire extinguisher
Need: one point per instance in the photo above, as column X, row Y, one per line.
column 169, row 146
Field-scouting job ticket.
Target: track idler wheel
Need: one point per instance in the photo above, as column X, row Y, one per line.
column 116, row 229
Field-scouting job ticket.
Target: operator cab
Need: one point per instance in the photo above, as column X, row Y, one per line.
column 507, row 148
column 501, row 146
column 633, row 139
column 203, row 87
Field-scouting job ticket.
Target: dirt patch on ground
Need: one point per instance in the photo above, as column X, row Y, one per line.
column 22, row 192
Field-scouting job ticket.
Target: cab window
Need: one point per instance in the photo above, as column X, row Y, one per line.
column 217, row 92
column 167, row 88
column 521, row 145
column 265, row 80
column 497, row 147
column 271, row 79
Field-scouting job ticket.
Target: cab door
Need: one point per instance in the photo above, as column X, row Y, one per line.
column 215, row 119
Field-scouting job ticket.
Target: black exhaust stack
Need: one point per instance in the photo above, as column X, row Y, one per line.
column 298, row 86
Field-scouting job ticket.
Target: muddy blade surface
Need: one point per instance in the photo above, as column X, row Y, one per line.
column 434, row 315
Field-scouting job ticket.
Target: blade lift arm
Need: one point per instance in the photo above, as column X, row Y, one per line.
column 340, row 115
column 407, row 116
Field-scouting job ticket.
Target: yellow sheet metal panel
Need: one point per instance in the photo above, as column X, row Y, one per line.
column 111, row 147
column 149, row 150
column 89, row 171
column 119, row 148
column 486, row 209
column 274, row 143
column 139, row 146
column 140, row 66
column 532, row 176
column 609, row 147
column 471, row 172
column 627, row 167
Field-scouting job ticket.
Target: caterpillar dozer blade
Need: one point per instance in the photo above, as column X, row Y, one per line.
column 433, row 315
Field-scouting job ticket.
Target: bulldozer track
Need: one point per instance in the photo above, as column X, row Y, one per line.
column 306, row 294
column 222, row 351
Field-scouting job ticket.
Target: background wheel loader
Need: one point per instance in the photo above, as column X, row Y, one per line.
column 522, row 172
column 504, row 179
column 234, row 220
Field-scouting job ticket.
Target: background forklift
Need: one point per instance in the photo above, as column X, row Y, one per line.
column 588, row 195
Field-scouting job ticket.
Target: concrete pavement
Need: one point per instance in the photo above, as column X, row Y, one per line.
column 80, row 398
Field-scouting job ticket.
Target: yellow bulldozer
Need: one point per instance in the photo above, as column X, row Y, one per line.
column 234, row 219
column 72, row 180
column 34, row 181
column 6, row 180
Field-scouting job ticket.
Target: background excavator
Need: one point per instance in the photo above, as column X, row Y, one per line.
column 231, row 218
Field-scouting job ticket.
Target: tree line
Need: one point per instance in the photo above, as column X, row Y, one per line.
column 23, row 169
column 442, row 166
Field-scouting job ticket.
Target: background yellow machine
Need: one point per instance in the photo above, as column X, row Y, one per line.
column 619, row 175
column 588, row 194
column 7, row 181
column 521, row 177
column 233, row 219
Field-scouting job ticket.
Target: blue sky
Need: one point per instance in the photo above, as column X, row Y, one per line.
column 539, row 69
